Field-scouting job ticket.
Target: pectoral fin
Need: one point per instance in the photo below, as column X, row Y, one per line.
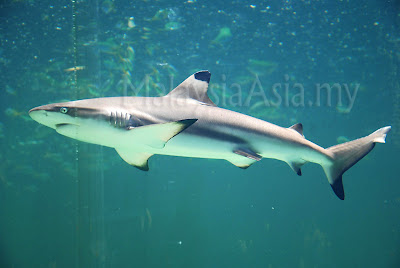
column 157, row 135
column 136, row 159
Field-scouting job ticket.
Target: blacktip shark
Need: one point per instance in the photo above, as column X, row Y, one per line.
column 187, row 123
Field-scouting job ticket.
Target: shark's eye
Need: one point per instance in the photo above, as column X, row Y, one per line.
column 63, row 110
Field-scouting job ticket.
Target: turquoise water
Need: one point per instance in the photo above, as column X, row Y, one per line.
column 64, row 203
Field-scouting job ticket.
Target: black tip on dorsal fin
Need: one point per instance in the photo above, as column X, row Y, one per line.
column 298, row 127
column 194, row 87
column 203, row 76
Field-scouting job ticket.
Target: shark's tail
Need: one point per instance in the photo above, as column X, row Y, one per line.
column 345, row 155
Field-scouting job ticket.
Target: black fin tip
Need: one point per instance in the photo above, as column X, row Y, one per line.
column 203, row 76
column 337, row 187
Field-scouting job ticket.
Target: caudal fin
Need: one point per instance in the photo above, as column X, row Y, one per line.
column 345, row 155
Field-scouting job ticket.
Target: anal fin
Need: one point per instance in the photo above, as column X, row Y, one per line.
column 296, row 166
column 136, row 159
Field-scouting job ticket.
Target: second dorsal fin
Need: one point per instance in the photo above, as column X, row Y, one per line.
column 194, row 87
column 298, row 128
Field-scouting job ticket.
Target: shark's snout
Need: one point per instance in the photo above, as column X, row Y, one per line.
column 34, row 109
column 41, row 116
column 47, row 107
column 36, row 113
column 46, row 115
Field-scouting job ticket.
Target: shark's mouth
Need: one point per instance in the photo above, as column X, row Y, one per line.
column 69, row 130
column 66, row 127
column 63, row 125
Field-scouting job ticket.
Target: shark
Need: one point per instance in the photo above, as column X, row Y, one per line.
column 187, row 123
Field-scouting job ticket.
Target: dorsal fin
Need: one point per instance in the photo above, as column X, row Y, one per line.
column 298, row 128
column 194, row 87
